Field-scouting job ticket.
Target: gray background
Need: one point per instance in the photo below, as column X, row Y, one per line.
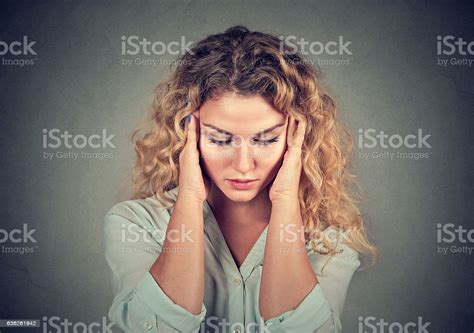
column 392, row 83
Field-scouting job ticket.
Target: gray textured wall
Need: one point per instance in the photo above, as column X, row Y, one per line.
column 391, row 82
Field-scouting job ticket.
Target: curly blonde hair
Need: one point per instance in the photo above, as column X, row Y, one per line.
column 256, row 63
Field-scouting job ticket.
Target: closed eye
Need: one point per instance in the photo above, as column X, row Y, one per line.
column 266, row 142
column 219, row 142
column 257, row 141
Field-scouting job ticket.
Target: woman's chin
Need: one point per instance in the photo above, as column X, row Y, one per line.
column 240, row 196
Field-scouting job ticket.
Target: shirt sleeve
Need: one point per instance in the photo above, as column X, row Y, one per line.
column 132, row 244
column 321, row 309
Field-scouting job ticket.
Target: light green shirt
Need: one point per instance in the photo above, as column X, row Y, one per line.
column 134, row 232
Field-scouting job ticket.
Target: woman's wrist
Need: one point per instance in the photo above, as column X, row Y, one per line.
column 189, row 199
column 286, row 203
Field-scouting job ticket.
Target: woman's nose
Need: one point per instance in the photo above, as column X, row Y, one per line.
column 243, row 159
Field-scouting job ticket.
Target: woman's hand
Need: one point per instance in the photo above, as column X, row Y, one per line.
column 193, row 183
column 286, row 183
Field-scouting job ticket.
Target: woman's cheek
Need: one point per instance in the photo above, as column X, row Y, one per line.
column 209, row 166
column 205, row 149
column 211, row 152
column 213, row 157
column 272, row 154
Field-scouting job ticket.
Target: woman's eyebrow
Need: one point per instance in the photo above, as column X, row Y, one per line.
column 229, row 133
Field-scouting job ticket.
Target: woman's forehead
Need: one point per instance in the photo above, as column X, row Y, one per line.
column 237, row 114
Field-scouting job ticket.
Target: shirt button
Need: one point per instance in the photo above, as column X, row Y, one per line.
column 148, row 325
column 237, row 283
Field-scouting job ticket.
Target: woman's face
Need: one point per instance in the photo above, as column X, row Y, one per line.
column 241, row 138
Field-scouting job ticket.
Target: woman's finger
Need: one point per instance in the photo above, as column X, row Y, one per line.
column 196, row 124
column 191, row 130
column 289, row 132
column 300, row 132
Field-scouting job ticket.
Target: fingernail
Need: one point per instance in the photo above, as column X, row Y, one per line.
column 189, row 118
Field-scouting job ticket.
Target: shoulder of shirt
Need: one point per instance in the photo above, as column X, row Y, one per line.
column 143, row 211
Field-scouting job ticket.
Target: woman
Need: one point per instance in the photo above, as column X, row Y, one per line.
column 242, row 218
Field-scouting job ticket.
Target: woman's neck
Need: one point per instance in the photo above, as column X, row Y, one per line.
column 256, row 211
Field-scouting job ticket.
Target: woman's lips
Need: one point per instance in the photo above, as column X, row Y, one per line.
column 241, row 185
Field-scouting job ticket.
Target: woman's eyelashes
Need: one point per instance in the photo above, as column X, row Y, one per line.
column 254, row 141
column 219, row 142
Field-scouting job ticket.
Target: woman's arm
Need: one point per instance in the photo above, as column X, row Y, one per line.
column 179, row 269
column 287, row 276
column 291, row 297
column 319, row 311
